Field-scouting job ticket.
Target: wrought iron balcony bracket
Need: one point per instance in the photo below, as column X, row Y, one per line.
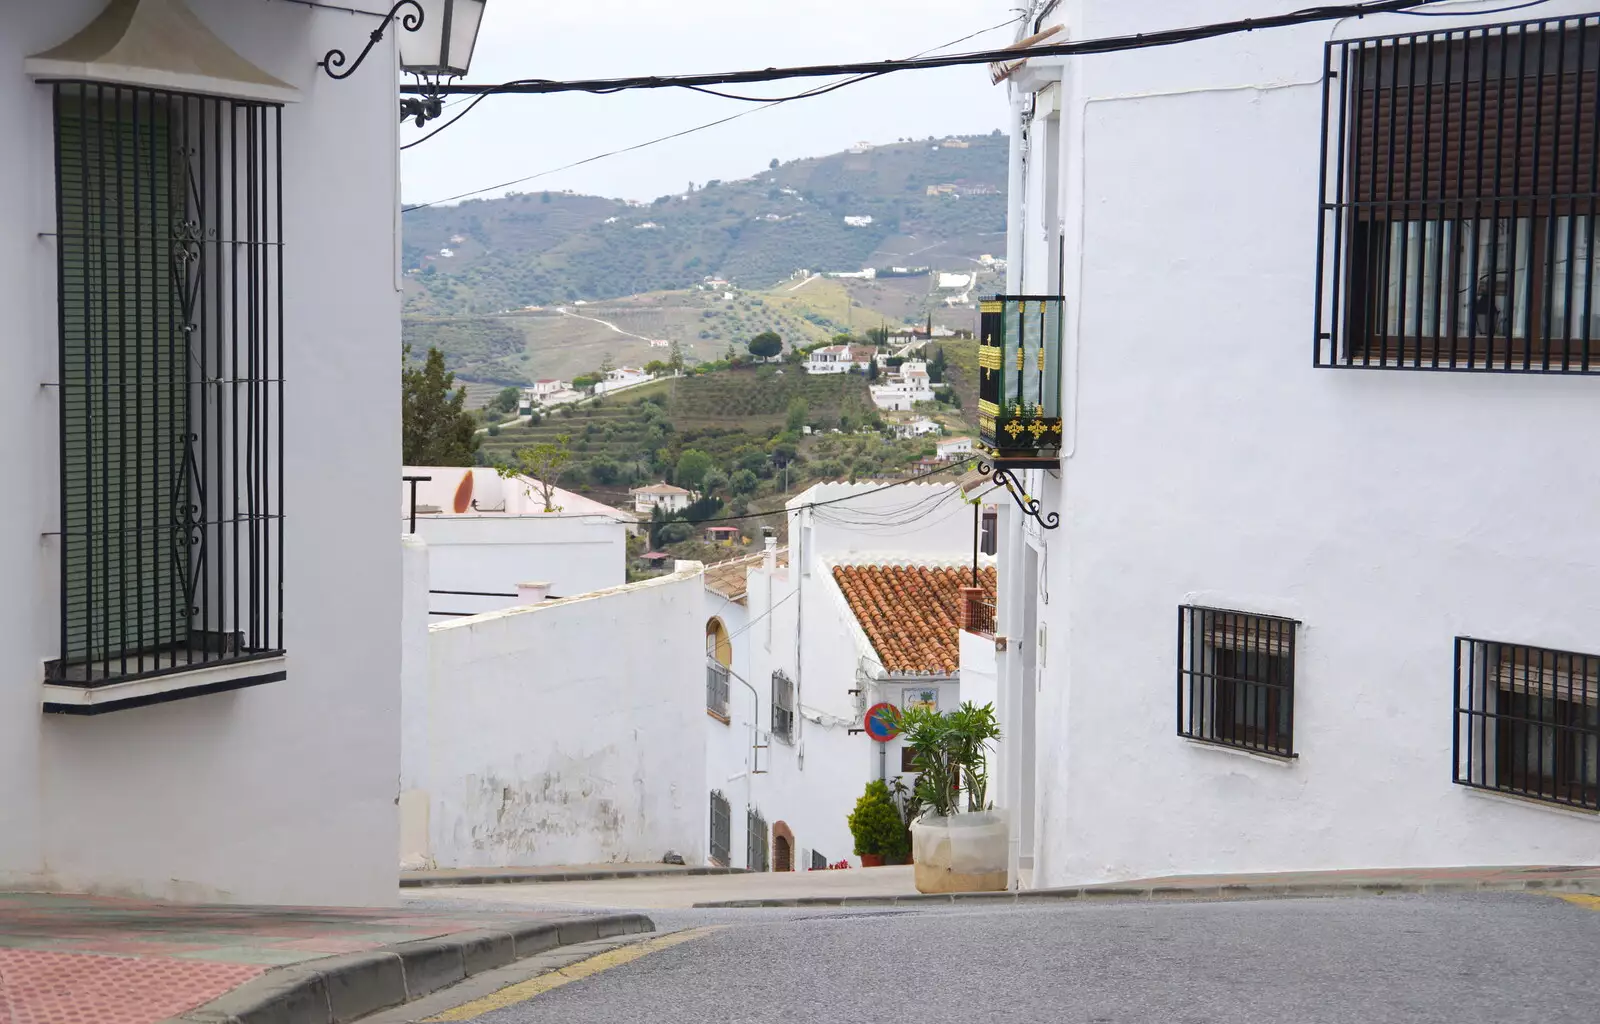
column 336, row 59
column 1004, row 474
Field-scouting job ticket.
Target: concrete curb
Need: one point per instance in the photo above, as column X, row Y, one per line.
column 336, row 989
column 425, row 879
column 1226, row 891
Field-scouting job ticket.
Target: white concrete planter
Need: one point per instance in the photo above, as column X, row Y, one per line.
column 962, row 853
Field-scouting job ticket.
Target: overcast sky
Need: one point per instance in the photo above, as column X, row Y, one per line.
column 508, row 137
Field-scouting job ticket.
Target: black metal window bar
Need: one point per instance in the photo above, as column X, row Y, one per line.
column 757, row 845
column 1460, row 186
column 717, row 688
column 782, row 707
column 169, row 229
column 1527, row 722
column 721, row 829
column 1236, row 679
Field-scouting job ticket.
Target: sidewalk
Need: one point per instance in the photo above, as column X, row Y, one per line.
column 110, row 961
column 1374, row 881
column 568, row 873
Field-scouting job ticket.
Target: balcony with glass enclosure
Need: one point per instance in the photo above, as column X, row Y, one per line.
column 1019, row 378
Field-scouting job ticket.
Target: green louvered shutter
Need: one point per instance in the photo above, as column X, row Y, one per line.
column 124, row 386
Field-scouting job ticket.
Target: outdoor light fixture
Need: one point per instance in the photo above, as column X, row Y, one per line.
column 438, row 44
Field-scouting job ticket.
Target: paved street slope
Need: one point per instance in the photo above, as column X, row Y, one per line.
column 1451, row 959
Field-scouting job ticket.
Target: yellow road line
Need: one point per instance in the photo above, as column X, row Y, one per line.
column 1587, row 902
column 533, row 987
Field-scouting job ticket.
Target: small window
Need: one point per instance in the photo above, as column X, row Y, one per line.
column 1527, row 722
column 989, row 532
column 1459, row 200
column 783, row 707
column 721, row 829
column 1236, row 679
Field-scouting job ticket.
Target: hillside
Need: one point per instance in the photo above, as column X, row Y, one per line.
column 542, row 248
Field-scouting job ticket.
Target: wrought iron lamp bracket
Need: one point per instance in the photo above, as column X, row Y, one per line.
column 335, row 59
column 1030, row 506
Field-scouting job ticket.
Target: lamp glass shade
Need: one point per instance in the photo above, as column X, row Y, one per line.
column 443, row 45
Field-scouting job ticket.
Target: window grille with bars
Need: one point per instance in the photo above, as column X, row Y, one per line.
column 170, row 265
column 1236, row 679
column 783, row 707
column 717, row 688
column 1527, row 721
column 757, row 843
column 1461, row 187
column 721, row 829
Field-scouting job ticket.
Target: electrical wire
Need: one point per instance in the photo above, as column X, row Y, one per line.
column 1109, row 44
column 817, row 91
column 1473, row 13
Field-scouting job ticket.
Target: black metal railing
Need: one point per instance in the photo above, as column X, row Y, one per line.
column 1236, row 679
column 1527, row 721
column 1460, row 191
column 1019, row 374
column 757, row 845
column 169, row 229
column 717, row 688
column 782, row 707
column 469, row 593
column 721, row 830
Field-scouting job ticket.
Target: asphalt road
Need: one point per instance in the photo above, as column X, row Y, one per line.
column 1480, row 959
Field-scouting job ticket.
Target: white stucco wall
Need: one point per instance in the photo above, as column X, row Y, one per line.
column 567, row 733
column 283, row 793
column 1390, row 512
column 492, row 554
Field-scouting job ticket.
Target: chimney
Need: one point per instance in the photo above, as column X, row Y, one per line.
column 769, row 557
column 532, row 593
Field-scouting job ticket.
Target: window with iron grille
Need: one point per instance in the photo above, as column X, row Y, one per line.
column 170, row 266
column 1236, row 679
column 783, row 707
column 721, row 829
column 1527, row 721
column 1461, row 182
column 756, row 842
column 717, row 688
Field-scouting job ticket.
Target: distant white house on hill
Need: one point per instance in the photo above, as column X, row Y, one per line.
column 858, row 221
column 840, row 358
column 621, row 377
column 663, row 496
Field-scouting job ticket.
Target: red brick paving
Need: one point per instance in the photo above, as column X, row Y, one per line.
column 96, row 960
column 38, row 987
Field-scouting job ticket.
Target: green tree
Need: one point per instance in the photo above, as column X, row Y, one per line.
column 436, row 429
column 582, row 383
column 773, row 165
column 937, row 366
column 675, row 358
column 766, row 344
column 544, row 462
column 798, row 410
column 693, row 465
column 743, row 482
column 714, row 481
column 507, row 400
column 674, row 533
column 872, row 371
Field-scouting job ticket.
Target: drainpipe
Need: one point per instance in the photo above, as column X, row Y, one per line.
column 769, row 566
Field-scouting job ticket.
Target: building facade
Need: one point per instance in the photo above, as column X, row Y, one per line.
column 1317, row 591
column 199, row 681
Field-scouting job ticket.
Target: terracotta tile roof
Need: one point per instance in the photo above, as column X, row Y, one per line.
column 728, row 578
column 911, row 613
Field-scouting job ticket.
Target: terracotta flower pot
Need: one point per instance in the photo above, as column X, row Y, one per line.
column 872, row 860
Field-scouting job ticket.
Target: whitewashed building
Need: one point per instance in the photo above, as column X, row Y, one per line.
column 199, row 661
column 839, row 358
column 1324, row 591
column 953, row 447
column 621, row 377
column 487, row 535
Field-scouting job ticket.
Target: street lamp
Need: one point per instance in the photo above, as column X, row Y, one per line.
column 438, row 44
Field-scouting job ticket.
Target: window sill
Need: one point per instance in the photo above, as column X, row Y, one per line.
column 60, row 699
column 1533, row 803
column 1280, row 760
column 724, row 719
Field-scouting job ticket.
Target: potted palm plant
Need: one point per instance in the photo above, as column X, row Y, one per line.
column 877, row 827
column 959, row 842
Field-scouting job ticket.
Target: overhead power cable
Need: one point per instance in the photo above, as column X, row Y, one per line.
column 773, row 102
column 1085, row 47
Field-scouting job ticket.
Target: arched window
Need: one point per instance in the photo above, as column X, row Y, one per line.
column 719, row 647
